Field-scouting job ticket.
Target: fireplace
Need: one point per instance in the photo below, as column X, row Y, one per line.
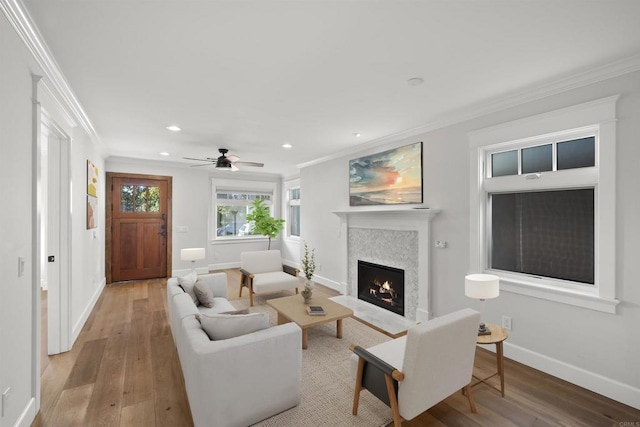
column 382, row 286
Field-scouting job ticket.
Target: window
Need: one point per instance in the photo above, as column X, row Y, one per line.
column 231, row 202
column 232, row 208
column 293, row 220
column 543, row 205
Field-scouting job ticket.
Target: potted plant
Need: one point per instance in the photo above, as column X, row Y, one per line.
column 308, row 267
column 263, row 222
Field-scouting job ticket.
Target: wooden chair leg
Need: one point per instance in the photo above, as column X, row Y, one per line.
column 472, row 403
column 358, row 387
column 250, row 291
column 296, row 290
column 397, row 419
column 242, row 277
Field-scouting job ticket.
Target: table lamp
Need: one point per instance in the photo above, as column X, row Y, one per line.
column 192, row 254
column 482, row 287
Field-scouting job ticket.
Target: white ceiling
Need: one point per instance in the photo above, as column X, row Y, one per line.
column 252, row 75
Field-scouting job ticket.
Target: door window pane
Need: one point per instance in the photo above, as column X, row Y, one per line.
column 578, row 153
column 549, row 233
column 503, row 164
column 537, row 159
column 139, row 198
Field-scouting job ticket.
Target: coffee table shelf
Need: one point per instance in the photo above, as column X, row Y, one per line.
column 382, row 320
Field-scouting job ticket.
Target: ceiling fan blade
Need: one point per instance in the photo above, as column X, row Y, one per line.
column 199, row 160
column 253, row 164
column 234, row 168
column 233, row 158
column 204, row 164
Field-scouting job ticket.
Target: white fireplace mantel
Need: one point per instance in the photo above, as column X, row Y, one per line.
column 400, row 219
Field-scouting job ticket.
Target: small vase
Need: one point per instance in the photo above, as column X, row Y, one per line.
column 306, row 294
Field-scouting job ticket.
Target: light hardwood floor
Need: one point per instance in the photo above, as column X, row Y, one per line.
column 124, row 370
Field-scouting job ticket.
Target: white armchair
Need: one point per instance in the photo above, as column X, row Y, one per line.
column 263, row 271
column 414, row 372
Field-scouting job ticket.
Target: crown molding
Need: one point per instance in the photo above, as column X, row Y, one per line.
column 533, row 93
column 57, row 85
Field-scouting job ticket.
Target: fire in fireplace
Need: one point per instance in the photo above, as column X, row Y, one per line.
column 381, row 285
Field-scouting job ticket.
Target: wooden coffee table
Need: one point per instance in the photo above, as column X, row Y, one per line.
column 293, row 309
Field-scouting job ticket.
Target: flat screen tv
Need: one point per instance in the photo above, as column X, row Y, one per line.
column 392, row 177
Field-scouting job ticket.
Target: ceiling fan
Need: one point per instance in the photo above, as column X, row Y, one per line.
column 225, row 162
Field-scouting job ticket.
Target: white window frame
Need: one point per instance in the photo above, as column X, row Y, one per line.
column 292, row 185
column 591, row 118
column 238, row 186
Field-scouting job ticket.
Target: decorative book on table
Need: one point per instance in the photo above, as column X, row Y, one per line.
column 315, row 310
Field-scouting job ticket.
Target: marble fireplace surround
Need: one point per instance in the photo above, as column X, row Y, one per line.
column 398, row 238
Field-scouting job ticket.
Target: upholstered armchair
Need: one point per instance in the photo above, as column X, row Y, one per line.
column 263, row 271
column 415, row 372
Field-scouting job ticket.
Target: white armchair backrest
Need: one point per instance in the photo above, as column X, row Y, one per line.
column 438, row 360
column 256, row 262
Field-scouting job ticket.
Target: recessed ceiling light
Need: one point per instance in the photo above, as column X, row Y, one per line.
column 415, row 81
column 357, row 135
column 287, row 146
column 164, row 153
column 174, row 128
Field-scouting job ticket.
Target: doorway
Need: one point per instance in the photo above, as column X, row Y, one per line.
column 138, row 241
column 54, row 236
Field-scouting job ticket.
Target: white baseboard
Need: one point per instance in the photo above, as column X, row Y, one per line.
column 336, row 286
column 608, row 387
column 77, row 328
column 184, row 272
column 28, row 415
column 422, row 315
column 224, row 265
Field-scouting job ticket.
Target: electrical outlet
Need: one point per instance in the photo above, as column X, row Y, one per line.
column 441, row 244
column 506, row 322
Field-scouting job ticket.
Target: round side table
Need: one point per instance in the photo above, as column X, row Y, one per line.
column 497, row 337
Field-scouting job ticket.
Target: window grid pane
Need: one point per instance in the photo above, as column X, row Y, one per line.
column 577, row 153
column 503, row 164
column 537, row 159
column 294, row 220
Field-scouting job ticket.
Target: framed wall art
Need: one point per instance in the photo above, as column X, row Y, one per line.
column 391, row 177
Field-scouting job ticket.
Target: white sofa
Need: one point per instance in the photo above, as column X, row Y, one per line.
column 237, row 381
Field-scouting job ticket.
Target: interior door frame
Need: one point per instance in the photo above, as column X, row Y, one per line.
column 109, row 218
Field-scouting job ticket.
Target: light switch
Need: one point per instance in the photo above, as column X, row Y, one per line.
column 182, row 229
column 21, row 262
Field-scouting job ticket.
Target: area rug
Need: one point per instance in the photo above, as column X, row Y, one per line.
column 327, row 384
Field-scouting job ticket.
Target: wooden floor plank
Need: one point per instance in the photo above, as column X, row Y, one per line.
column 138, row 384
column 72, row 407
column 85, row 370
column 142, row 414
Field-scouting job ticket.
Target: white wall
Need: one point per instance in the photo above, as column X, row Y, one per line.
column 596, row 350
column 192, row 189
column 19, row 296
column 16, row 232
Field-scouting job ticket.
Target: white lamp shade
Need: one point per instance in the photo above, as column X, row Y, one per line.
column 192, row 254
column 481, row 286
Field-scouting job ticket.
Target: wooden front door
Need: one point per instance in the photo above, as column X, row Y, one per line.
column 140, row 226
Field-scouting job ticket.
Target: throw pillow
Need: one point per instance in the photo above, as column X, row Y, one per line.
column 204, row 293
column 225, row 326
column 188, row 283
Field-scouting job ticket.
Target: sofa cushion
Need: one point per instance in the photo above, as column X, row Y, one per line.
column 188, row 283
column 204, row 293
column 225, row 326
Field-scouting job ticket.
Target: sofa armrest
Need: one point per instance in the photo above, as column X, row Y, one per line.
column 290, row 270
column 217, row 282
column 264, row 363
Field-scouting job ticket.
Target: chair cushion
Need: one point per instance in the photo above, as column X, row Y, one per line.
column 187, row 283
column 204, row 293
column 274, row 281
column 225, row 326
column 256, row 262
